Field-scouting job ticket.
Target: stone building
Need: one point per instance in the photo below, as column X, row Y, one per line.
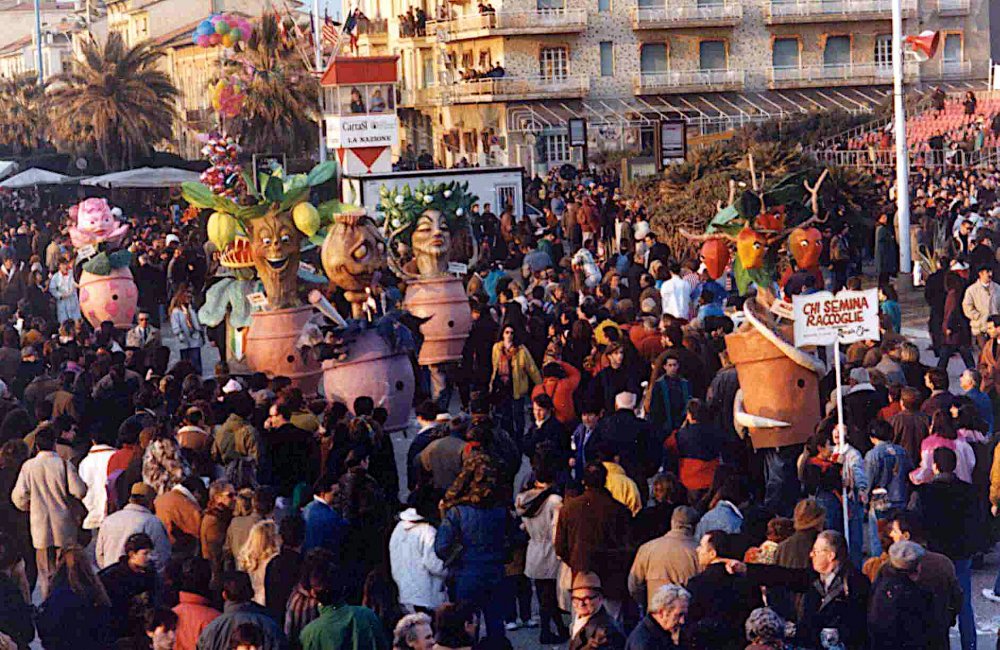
column 623, row 65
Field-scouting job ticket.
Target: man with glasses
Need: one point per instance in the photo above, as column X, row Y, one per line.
column 592, row 624
column 143, row 336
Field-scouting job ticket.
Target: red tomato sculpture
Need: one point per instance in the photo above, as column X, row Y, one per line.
column 715, row 256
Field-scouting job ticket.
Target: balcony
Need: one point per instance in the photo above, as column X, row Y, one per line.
column 954, row 7
column 687, row 81
column 506, row 89
column 511, row 23
column 687, row 14
column 417, row 97
column 816, row 11
column 374, row 31
column 839, row 74
column 954, row 69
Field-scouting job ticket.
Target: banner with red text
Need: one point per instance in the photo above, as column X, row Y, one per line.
column 821, row 318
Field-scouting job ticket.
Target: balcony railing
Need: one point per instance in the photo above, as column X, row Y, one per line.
column 677, row 81
column 837, row 74
column 955, row 69
column 798, row 11
column 429, row 96
column 687, row 14
column 515, row 88
column 373, row 27
column 954, row 7
column 511, row 23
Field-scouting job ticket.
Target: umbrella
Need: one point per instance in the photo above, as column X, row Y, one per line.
column 36, row 176
column 144, row 177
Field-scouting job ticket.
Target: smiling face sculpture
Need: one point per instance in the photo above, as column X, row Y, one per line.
column 274, row 245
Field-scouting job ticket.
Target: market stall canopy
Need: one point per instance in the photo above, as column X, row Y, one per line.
column 35, row 176
column 144, row 177
column 7, row 167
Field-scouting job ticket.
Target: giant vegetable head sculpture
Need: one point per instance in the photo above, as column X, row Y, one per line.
column 276, row 223
column 352, row 254
column 426, row 221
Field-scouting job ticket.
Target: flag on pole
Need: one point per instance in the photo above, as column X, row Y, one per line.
column 330, row 31
column 348, row 30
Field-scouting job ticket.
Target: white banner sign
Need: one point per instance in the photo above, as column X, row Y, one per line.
column 350, row 132
column 821, row 318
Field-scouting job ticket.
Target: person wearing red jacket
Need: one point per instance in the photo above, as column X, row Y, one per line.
column 560, row 381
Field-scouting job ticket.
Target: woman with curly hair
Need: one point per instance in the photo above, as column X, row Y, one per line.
column 261, row 546
column 163, row 465
column 472, row 539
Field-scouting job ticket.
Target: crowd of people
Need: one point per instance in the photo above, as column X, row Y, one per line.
column 578, row 473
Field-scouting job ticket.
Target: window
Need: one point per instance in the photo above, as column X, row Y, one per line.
column 883, row 50
column 837, row 52
column 554, row 63
column 550, row 6
column 557, row 148
column 427, row 58
column 506, row 196
column 785, row 53
column 653, row 58
column 712, row 55
column 607, row 59
column 604, row 6
column 952, row 48
column 651, row 4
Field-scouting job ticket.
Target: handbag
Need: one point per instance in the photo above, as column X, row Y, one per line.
column 77, row 511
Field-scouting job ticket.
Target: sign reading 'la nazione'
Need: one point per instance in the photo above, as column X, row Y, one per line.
column 349, row 132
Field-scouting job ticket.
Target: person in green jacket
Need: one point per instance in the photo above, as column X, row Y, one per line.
column 340, row 626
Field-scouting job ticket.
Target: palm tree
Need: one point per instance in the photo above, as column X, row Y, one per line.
column 113, row 101
column 281, row 111
column 21, row 113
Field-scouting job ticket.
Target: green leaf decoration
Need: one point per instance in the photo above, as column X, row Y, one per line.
column 329, row 208
column 742, row 276
column 294, row 197
column 295, row 181
column 251, row 211
column 318, row 238
column 274, row 190
column 198, row 194
column 321, row 173
column 262, row 178
column 225, row 204
column 251, row 186
column 120, row 259
column 724, row 221
column 98, row 264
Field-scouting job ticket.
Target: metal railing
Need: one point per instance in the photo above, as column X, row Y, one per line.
column 373, row 27
column 881, row 158
column 686, row 12
column 954, row 7
column 708, row 79
column 955, row 69
column 541, row 19
column 807, row 8
column 420, row 96
column 517, row 87
column 859, row 72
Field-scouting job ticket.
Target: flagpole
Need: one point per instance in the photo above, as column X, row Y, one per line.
column 318, row 44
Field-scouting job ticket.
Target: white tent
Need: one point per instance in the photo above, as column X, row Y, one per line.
column 144, row 177
column 36, row 176
column 7, row 167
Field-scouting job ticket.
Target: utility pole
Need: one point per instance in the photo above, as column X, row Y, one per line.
column 902, row 157
column 38, row 41
column 318, row 43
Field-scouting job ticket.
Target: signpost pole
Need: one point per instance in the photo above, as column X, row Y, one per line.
column 843, row 435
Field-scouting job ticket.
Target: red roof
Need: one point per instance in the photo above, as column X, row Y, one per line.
column 360, row 70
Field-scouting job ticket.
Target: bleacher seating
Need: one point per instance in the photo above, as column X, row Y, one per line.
column 952, row 122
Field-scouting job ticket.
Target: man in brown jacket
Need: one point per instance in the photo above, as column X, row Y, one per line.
column 215, row 524
column 989, row 361
column 592, row 534
column 180, row 513
column 910, row 426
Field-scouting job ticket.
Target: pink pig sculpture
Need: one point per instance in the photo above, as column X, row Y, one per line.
column 95, row 224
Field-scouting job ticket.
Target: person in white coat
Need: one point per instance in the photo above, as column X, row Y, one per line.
column 538, row 506
column 45, row 488
column 136, row 517
column 676, row 294
column 186, row 327
column 418, row 572
column 63, row 288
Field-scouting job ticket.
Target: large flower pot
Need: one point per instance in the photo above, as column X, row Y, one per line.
column 775, row 387
column 375, row 371
column 271, row 347
column 110, row 297
column 444, row 302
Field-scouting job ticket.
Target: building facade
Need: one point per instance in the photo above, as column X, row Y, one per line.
column 499, row 83
column 21, row 56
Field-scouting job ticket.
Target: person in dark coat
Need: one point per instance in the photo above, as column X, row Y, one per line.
column 910, row 426
column 77, row 614
column 592, row 534
column 617, row 377
column 477, row 359
column 632, row 440
column 886, row 257
column 599, row 629
column 544, row 429
column 662, row 627
column 717, row 595
column 956, row 332
column 934, row 295
column 15, row 613
column 900, row 612
column 290, row 452
column 131, row 585
column 282, row 573
column 835, row 593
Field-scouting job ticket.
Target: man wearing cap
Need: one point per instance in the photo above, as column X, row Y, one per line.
column 670, row 559
column 900, row 612
column 593, row 627
column 136, row 517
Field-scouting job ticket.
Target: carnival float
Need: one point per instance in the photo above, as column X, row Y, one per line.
column 773, row 234
column 107, row 290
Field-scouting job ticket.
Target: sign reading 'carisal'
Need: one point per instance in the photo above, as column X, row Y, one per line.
column 351, row 132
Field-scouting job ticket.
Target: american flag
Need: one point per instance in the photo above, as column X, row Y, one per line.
column 335, row 37
column 330, row 31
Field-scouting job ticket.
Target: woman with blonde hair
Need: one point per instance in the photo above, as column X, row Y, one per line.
column 186, row 327
column 261, row 546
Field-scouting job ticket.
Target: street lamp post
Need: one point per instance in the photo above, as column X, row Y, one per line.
column 902, row 157
column 318, row 44
column 38, row 41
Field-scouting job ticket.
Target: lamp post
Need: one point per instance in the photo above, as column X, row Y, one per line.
column 38, row 41
column 902, row 157
column 318, row 44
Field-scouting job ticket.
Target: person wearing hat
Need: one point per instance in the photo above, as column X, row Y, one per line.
column 670, row 559
column 900, row 612
column 809, row 519
column 593, row 627
column 136, row 517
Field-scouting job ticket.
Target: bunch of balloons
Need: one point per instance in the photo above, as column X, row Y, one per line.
column 223, row 177
column 222, row 29
column 228, row 96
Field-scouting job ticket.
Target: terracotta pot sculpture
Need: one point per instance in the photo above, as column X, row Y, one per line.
column 372, row 369
column 271, row 347
column 110, row 297
column 443, row 301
